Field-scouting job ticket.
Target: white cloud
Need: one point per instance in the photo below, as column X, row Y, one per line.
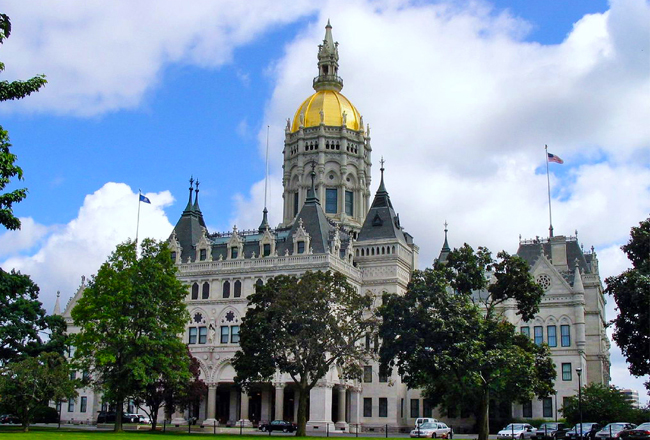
column 107, row 217
column 29, row 235
column 102, row 57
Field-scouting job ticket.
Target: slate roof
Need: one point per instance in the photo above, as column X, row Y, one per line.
column 321, row 230
column 381, row 221
column 533, row 249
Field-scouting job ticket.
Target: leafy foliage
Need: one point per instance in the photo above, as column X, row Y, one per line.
column 600, row 403
column 177, row 385
column 10, row 91
column 26, row 385
column 447, row 334
column 23, row 320
column 303, row 327
column 631, row 291
column 130, row 317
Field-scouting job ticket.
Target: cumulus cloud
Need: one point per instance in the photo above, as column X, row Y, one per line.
column 107, row 217
column 103, row 57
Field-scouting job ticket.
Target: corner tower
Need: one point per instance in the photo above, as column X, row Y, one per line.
column 328, row 130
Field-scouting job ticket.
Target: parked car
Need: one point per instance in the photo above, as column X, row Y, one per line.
column 278, row 425
column 613, row 430
column 130, row 418
column 9, row 418
column 432, row 430
column 550, row 431
column 589, row 428
column 106, row 417
column 517, row 431
column 641, row 432
column 422, row 420
column 144, row 419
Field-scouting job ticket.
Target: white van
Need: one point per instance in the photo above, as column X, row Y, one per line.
column 423, row 420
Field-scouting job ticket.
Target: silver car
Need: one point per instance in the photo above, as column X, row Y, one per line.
column 432, row 430
column 517, row 431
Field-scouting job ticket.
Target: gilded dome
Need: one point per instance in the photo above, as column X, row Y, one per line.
column 333, row 105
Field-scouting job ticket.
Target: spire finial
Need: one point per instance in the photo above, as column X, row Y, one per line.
column 196, row 195
column 445, row 247
column 311, row 193
column 189, row 202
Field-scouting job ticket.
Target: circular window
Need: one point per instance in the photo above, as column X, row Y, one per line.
column 198, row 318
column 348, row 179
column 331, row 176
column 544, row 281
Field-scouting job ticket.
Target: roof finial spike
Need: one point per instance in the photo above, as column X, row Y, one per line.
column 311, row 193
column 445, row 247
column 196, row 196
column 382, row 188
column 189, row 202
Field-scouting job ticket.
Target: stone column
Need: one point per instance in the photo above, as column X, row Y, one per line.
column 320, row 409
column 265, row 414
column 341, row 424
column 212, row 406
column 244, row 409
column 355, row 407
column 233, row 414
column 279, row 402
column 296, row 402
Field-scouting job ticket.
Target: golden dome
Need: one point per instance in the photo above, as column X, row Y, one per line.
column 332, row 104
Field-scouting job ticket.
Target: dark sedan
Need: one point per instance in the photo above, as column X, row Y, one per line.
column 641, row 432
column 551, row 431
column 279, row 425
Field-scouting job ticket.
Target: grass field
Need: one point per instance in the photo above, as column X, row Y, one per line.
column 42, row 433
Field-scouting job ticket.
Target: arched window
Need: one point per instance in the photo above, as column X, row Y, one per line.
column 205, row 294
column 226, row 289
column 383, row 250
column 237, row 292
column 372, row 251
column 195, row 291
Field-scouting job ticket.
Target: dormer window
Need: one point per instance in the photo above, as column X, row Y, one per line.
column 234, row 253
column 301, row 247
column 266, row 249
column 174, row 257
column 203, row 254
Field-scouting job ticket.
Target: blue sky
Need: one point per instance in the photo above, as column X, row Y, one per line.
column 460, row 95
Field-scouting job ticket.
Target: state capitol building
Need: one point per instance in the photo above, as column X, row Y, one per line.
column 342, row 226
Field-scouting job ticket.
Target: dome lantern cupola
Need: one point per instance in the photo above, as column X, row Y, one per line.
column 328, row 64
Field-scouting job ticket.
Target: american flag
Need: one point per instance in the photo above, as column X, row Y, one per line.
column 554, row 158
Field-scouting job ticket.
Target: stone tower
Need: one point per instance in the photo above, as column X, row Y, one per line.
column 327, row 130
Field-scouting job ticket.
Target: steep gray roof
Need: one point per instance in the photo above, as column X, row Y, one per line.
column 381, row 221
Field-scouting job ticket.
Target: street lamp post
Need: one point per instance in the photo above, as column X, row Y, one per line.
column 579, row 371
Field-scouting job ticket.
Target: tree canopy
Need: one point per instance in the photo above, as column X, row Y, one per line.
column 10, row 90
column 28, row 384
column 448, row 336
column 600, row 403
column 631, row 291
column 129, row 319
column 303, row 327
column 23, row 320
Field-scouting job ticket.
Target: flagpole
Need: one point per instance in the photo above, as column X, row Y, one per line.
column 548, row 181
column 137, row 228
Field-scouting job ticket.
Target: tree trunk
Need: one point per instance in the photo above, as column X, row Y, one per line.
column 483, row 416
column 118, row 416
column 153, row 410
column 302, row 411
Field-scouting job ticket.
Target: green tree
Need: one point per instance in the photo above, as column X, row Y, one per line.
column 28, row 384
column 447, row 333
column 303, row 327
column 23, row 321
column 178, row 384
column 8, row 169
column 631, row 291
column 600, row 403
column 129, row 319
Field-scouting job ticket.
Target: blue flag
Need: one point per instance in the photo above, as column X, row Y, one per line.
column 144, row 199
